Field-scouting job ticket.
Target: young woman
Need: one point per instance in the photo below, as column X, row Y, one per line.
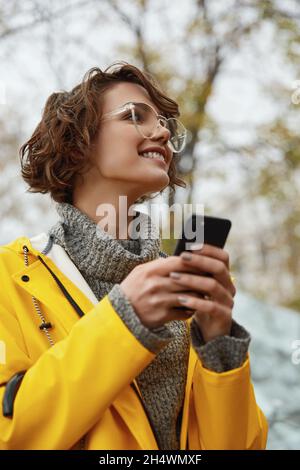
column 98, row 352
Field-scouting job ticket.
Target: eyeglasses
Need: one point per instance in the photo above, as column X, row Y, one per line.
column 146, row 121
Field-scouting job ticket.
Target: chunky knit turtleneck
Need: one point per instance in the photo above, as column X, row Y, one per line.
column 97, row 254
column 104, row 262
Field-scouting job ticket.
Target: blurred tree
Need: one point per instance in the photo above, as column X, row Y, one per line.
column 190, row 63
column 210, row 40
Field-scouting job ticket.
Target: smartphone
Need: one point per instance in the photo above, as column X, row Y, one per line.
column 213, row 231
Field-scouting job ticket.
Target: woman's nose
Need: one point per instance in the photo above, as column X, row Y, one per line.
column 162, row 133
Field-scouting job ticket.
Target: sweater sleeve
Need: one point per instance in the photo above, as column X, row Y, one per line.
column 223, row 353
column 153, row 339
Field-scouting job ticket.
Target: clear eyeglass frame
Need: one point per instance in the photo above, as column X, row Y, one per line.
column 161, row 120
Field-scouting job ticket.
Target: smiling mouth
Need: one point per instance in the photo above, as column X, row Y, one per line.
column 157, row 161
column 153, row 156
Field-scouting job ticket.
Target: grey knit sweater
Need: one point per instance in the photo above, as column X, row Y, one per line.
column 104, row 262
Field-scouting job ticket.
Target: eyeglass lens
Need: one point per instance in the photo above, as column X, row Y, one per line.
column 147, row 123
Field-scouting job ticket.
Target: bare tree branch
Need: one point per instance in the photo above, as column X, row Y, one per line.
column 45, row 16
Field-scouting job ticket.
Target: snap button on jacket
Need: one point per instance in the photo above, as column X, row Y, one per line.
column 82, row 386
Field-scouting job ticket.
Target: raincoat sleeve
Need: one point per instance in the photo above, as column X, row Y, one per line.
column 65, row 392
column 223, row 411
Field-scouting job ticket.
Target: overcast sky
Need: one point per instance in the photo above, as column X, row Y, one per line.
column 240, row 101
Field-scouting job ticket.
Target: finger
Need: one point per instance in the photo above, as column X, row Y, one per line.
column 204, row 306
column 220, row 254
column 173, row 303
column 181, row 313
column 170, row 300
column 204, row 285
column 214, row 252
column 163, row 266
column 166, row 284
column 194, row 285
column 216, row 268
column 175, row 309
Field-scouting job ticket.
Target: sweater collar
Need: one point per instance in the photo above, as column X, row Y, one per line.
column 98, row 254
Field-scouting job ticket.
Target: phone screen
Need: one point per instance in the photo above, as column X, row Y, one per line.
column 214, row 231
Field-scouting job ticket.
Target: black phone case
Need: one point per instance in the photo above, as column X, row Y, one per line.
column 215, row 232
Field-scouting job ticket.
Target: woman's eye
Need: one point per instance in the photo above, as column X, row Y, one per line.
column 129, row 116
column 138, row 116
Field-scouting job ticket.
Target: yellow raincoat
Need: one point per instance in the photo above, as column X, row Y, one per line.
column 83, row 384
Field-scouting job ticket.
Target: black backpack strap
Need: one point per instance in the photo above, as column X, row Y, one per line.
column 10, row 393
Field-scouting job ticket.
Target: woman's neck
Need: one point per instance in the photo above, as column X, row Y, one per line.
column 112, row 215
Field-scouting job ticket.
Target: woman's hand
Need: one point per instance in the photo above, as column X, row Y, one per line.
column 154, row 295
column 213, row 312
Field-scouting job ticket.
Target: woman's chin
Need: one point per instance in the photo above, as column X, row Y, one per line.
column 157, row 182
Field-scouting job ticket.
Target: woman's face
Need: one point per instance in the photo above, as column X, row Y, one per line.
column 116, row 155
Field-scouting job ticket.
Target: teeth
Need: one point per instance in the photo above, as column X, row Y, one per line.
column 153, row 155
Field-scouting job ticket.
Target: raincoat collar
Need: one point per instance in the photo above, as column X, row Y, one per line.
column 60, row 263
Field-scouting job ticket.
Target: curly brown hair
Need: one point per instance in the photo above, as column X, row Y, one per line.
column 57, row 151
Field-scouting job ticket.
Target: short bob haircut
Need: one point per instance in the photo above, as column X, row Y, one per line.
column 57, row 151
